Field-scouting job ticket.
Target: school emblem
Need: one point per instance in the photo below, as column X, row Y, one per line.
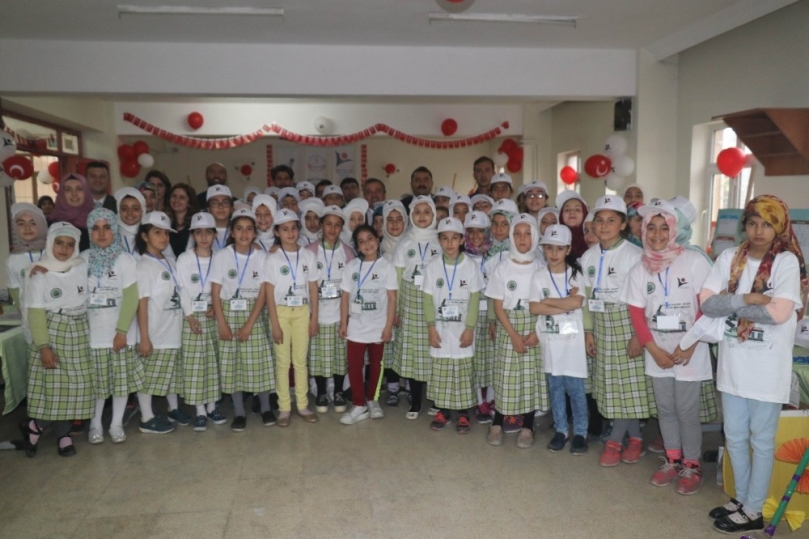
column 439, row 283
column 165, row 276
column 284, row 270
column 411, row 253
column 512, row 286
column 56, row 293
column 650, row 287
column 546, row 293
column 355, row 276
column 320, row 265
column 232, row 273
column 194, row 278
column 591, row 271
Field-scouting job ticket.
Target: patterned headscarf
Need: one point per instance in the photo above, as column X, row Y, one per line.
column 498, row 246
column 100, row 260
column 631, row 213
column 657, row 261
column 773, row 210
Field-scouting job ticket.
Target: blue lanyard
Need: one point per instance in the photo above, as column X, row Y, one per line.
column 567, row 288
column 167, row 266
column 295, row 271
column 262, row 245
column 31, row 257
column 222, row 244
column 128, row 250
column 328, row 262
column 199, row 268
column 451, row 283
column 665, row 286
column 361, row 278
column 236, row 258
column 422, row 253
column 600, row 267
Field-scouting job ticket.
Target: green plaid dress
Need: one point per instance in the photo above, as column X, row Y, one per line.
column 327, row 352
column 520, row 386
column 162, row 372
column 390, row 349
column 68, row 391
column 484, row 353
column 200, row 359
column 620, row 384
column 249, row 365
column 708, row 409
column 411, row 358
column 452, row 383
column 117, row 373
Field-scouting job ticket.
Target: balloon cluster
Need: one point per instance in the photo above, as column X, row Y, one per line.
column 134, row 156
column 50, row 175
column 12, row 166
column 612, row 166
column 509, row 155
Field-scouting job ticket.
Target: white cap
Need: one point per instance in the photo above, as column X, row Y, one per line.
column 250, row 189
column 202, row 219
column 285, row 215
column 686, row 208
column 536, row 184
column 289, row 192
column 450, row 224
column 243, row 212
column 556, row 235
column 504, row 205
column 217, row 191
column 271, row 191
column 569, row 194
column 333, row 210
column 20, row 207
column 501, row 178
column 446, row 192
column 314, row 205
column 484, row 198
column 459, row 199
column 422, row 199
column 545, row 211
column 590, row 217
column 332, row 190
column 610, row 202
column 239, row 204
column 802, row 333
column 305, row 186
column 158, row 219
column 476, row 219
column 658, row 206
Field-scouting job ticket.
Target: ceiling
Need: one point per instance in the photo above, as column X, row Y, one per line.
column 622, row 24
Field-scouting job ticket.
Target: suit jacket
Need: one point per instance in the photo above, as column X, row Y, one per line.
column 110, row 204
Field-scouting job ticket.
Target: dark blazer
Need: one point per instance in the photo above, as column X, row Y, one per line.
column 110, row 204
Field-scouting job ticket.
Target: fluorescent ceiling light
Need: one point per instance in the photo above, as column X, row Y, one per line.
column 502, row 17
column 190, row 10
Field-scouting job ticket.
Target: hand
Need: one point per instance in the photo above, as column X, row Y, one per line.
column 343, row 332
column 467, row 338
column 194, row 325
column 573, row 291
column 663, row 359
column 435, row 339
column 274, row 248
column 518, row 344
column 224, row 333
column 683, row 357
column 313, row 328
column 38, row 269
column 633, row 347
column 209, row 313
column 145, row 347
column 118, row 342
column 492, row 330
column 590, row 344
column 396, row 320
column 387, row 334
column 244, row 332
column 49, row 359
column 277, row 334
column 754, row 298
column 530, row 340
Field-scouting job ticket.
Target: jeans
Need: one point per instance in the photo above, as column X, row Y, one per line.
column 574, row 387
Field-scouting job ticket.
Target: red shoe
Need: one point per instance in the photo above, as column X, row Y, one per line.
column 611, row 455
column 633, row 452
column 462, row 426
column 657, row 445
column 440, row 421
column 690, row 480
column 667, row 473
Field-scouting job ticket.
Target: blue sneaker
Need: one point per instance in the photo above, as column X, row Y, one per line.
column 180, row 417
column 156, row 425
column 200, row 423
column 217, row 417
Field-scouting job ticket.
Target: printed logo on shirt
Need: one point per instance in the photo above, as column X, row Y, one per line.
column 463, row 283
column 165, row 276
column 194, row 278
column 111, row 274
column 546, row 293
column 439, row 283
column 284, row 270
column 374, row 276
column 767, row 287
column 355, row 276
column 255, row 275
column 340, row 265
column 305, row 268
column 433, row 252
column 681, row 282
column 56, row 293
column 804, row 329
column 512, row 286
column 231, row 273
column 411, row 253
column 650, row 287
column 80, row 289
column 610, row 271
column 591, row 271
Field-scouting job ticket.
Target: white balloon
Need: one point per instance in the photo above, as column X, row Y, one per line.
column 6, row 180
column 44, row 177
column 614, row 181
column 500, row 159
column 8, row 146
column 323, row 125
column 623, row 166
column 615, row 146
column 145, row 160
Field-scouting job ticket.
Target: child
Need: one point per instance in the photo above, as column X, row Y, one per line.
column 460, row 207
column 333, row 196
column 30, row 231
column 547, row 217
column 61, row 374
column 535, row 195
column 572, row 213
column 200, row 347
column 766, row 283
column 520, row 387
column 634, row 219
column 160, row 322
column 377, row 220
column 633, row 193
column 130, row 212
column 620, row 385
column 237, row 274
column 411, row 357
column 220, row 204
column 557, row 296
column 589, row 235
column 311, row 213
column 452, row 285
column 482, row 203
column 501, row 187
column 394, row 229
column 264, row 208
column 662, row 296
column 354, row 212
column 441, row 213
column 367, row 309
column 443, row 197
column 327, row 350
column 288, row 198
column 292, row 298
column 149, row 193
column 112, row 283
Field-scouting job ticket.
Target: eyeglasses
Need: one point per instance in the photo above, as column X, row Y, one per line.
column 218, row 204
column 538, row 196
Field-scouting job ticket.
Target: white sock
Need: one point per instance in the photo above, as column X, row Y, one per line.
column 145, row 402
column 481, row 399
column 490, row 394
column 173, row 401
column 95, row 423
column 118, row 409
column 200, row 409
column 211, row 406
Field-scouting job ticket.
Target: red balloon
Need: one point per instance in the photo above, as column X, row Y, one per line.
column 508, row 145
column 569, row 175
column 597, row 166
column 140, row 147
column 130, row 169
column 53, row 170
column 517, row 154
column 449, row 127
column 390, row 168
column 514, row 166
column 246, row 170
column 18, row 167
column 126, row 152
column 195, row 120
column 731, row 161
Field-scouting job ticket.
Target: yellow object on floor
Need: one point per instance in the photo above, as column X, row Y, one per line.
column 794, row 517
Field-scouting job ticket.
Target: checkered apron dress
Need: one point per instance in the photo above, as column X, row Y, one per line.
column 327, row 352
column 200, row 362
column 162, row 372
column 117, row 373
column 68, row 391
column 452, row 384
column 708, row 409
column 390, row 349
column 411, row 358
column 249, row 365
column 484, row 353
column 520, row 386
column 620, row 384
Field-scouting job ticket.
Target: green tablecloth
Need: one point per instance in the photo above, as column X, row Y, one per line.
column 14, row 359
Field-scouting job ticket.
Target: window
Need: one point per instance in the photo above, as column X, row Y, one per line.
column 568, row 159
column 726, row 193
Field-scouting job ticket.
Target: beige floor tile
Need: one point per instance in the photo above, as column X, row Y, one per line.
column 199, row 525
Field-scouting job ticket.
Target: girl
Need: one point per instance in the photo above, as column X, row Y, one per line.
column 394, row 229
column 355, row 212
column 378, row 221
column 61, row 374
column 220, row 204
column 28, row 246
column 547, row 217
column 74, row 202
column 662, row 295
column 411, row 357
column 634, row 219
column 501, row 187
column 200, row 347
column 149, row 193
column 250, row 194
column 112, row 283
column 182, row 205
column 589, row 231
column 130, row 212
column 327, row 350
column 557, row 296
column 306, row 190
column 292, row 298
column 311, row 213
column 272, row 192
column 367, row 309
column 264, row 207
column 520, row 387
column 535, row 195
column 160, row 323
column 633, row 193
column 620, row 385
column 45, row 203
column 443, row 197
column 452, row 285
column 460, row 207
column 572, row 213
column 333, row 196
column 162, row 187
column 237, row 274
column 766, row 283
column 288, row 198
column 482, row 203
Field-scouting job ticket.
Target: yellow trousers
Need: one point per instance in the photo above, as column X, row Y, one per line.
column 294, row 322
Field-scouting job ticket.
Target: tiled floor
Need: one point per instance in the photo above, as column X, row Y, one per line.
column 379, row 478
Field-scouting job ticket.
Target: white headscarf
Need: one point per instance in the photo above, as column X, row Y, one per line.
column 357, row 205
column 19, row 245
column 314, row 205
column 422, row 235
column 267, row 237
column 389, row 242
column 120, row 195
column 513, row 253
column 50, row 262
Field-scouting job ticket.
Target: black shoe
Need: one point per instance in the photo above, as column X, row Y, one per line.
column 239, row 423
column 25, row 430
column 348, row 394
column 268, row 418
column 722, row 511
column 726, row 525
column 322, row 404
column 579, row 445
column 68, row 450
column 273, row 401
column 557, row 443
column 256, row 405
column 340, row 402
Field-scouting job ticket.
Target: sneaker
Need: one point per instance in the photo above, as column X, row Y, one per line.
column 722, row 511
column 579, row 445
column 525, row 439
column 633, row 452
column 657, row 445
column 495, row 436
column 340, row 403
column 462, row 426
column 512, row 424
column 558, row 442
column 268, row 418
column 439, row 422
column 200, row 423
column 375, row 410
column 322, row 404
column 357, row 414
column 605, row 434
column 433, row 411
column 739, row 522
column 156, row 425
column 393, row 399
column 96, row 436
column 690, row 480
column 667, row 473
column 117, row 435
column 239, row 423
column 217, row 417
column 611, row 456
column 180, row 417
column 483, row 413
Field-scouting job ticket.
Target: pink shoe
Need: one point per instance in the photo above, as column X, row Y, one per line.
column 611, row 455
column 667, row 473
column 690, row 480
column 633, row 452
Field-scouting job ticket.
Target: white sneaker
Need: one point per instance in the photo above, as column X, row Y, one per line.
column 433, row 411
column 117, row 435
column 96, row 436
column 376, row 410
column 355, row 415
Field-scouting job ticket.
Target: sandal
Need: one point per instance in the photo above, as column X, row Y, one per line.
column 25, row 429
column 68, row 450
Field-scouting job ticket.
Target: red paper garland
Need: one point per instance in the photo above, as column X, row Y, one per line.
column 269, row 165
column 241, row 140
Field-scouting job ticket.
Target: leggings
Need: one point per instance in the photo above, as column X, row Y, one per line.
column 356, row 362
column 60, row 428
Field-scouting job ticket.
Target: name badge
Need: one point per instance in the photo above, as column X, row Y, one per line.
column 450, row 311
column 418, row 280
column 356, row 307
column 668, row 322
column 596, row 305
column 483, row 306
column 294, row 301
column 237, row 305
column 199, row 306
column 98, row 300
column 328, row 290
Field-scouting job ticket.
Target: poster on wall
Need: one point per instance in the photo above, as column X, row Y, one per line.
column 316, row 163
column 317, row 160
column 344, row 163
column 291, row 156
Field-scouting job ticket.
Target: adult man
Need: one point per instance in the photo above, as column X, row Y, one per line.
column 282, row 176
column 374, row 192
column 421, row 183
column 215, row 174
column 98, row 179
column 482, row 170
column 351, row 189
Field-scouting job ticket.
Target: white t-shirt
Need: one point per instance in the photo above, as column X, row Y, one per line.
column 16, row 266
column 128, row 241
column 65, row 293
column 290, row 273
column 451, row 312
column 104, row 301
column 238, row 273
column 265, row 240
column 414, row 257
column 157, row 280
column 220, row 241
column 759, row 368
column 331, row 265
column 371, row 295
column 194, row 274
column 614, row 267
column 683, row 279
column 561, row 336
column 511, row 282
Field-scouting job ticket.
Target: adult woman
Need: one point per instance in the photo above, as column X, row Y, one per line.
column 162, row 187
column 73, row 204
column 182, row 205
